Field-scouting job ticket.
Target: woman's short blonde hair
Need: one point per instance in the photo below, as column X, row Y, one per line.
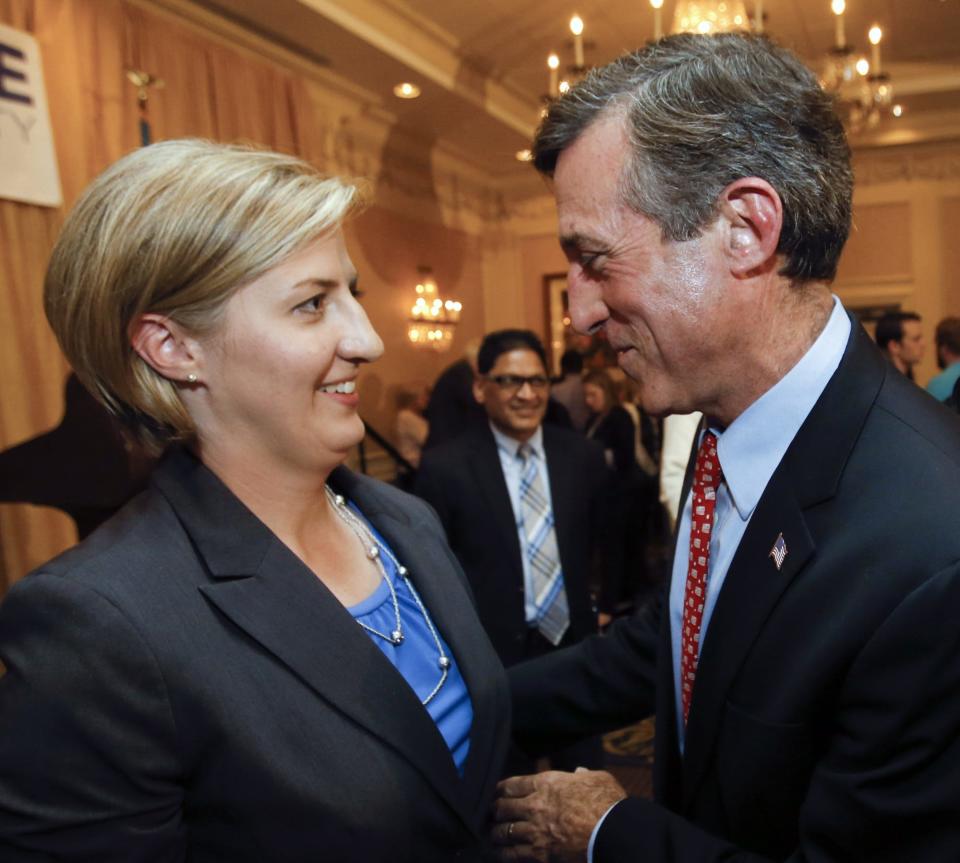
column 175, row 228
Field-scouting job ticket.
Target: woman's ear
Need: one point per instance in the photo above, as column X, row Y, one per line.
column 166, row 348
column 753, row 213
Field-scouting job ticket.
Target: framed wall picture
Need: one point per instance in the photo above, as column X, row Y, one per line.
column 557, row 306
column 870, row 313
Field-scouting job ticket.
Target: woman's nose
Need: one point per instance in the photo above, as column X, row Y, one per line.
column 360, row 343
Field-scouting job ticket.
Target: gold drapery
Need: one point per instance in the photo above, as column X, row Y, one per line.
column 213, row 89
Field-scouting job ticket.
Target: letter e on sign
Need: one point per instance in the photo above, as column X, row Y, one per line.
column 9, row 72
column 28, row 160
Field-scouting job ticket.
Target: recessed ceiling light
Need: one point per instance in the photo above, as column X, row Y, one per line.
column 406, row 90
column 898, row 110
column 524, row 156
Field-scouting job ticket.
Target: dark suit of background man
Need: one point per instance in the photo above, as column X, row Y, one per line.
column 452, row 409
column 476, row 484
column 804, row 664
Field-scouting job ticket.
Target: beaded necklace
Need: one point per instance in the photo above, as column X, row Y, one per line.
column 375, row 551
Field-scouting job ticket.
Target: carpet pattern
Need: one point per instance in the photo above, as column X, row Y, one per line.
column 628, row 755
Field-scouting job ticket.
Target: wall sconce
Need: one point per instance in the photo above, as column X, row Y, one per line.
column 432, row 321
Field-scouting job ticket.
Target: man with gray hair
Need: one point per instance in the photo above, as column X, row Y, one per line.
column 802, row 663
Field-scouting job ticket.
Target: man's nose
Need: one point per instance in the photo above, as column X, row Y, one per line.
column 588, row 312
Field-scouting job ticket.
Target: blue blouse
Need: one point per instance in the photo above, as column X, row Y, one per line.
column 416, row 656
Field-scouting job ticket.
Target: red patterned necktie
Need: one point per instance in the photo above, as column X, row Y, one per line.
column 706, row 480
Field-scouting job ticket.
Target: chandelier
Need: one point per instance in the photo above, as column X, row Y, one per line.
column 432, row 320
column 864, row 92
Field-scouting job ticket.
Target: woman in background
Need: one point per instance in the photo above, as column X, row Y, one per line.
column 264, row 656
column 411, row 427
column 608, row 422
column 633, row 498
column 645, row 433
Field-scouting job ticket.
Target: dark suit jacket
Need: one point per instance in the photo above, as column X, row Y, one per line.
column 825, row 722
column 463, row 480
column 452, row 409
column 181, row 687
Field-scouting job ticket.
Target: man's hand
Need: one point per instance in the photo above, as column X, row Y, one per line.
column 548, row 817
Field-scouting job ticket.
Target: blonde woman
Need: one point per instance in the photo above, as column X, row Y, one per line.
column 264, row 656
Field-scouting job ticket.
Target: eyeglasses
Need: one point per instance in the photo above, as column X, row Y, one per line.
column 514, row 383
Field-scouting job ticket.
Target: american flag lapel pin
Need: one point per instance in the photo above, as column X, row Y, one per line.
column 778, row 552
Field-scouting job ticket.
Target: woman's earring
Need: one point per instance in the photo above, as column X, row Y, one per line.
column 192, row 378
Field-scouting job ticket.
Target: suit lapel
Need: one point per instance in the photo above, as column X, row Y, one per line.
column 666, row 774
column 752, row 588
column 263, row 588
column 809, row 473
column 450, row 606
column 488, row 474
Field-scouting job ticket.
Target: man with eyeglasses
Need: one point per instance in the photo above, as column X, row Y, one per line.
column 521, row 502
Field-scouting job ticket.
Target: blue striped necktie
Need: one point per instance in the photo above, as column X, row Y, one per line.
column 540, row 549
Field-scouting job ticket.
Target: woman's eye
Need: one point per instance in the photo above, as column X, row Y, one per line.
column 312, row 306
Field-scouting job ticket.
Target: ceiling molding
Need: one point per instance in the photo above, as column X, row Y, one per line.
column 907, row 164
column 399, row 33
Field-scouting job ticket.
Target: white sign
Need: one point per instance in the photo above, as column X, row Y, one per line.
column 28, row 161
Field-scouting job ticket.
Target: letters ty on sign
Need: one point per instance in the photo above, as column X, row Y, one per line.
column 28, row 162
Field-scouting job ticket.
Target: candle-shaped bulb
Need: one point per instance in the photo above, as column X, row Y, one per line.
column 840, row 36
column 657, row 18
column 576, row 27
column 875, row 35
column 553, row 64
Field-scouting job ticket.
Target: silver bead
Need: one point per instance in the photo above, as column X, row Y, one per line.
column 444, row 662
column 373, row 553
column 402, row 570
column 396, row 636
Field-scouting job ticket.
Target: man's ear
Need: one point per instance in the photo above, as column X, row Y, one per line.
column 753, row 214
column 166, row 348
column 478, row 393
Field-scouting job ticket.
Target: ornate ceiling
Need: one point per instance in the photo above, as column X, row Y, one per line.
column 482, row 65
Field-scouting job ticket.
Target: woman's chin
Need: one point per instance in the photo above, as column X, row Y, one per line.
column 346, row 440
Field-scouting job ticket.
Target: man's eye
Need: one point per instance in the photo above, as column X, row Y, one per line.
column 591, row 262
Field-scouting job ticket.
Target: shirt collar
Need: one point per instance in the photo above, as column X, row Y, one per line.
column 510, row 445
column 755, row 442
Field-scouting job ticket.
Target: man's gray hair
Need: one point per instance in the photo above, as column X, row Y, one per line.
column 704, row 111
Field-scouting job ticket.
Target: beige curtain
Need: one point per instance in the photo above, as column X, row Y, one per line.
column 212, row 89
